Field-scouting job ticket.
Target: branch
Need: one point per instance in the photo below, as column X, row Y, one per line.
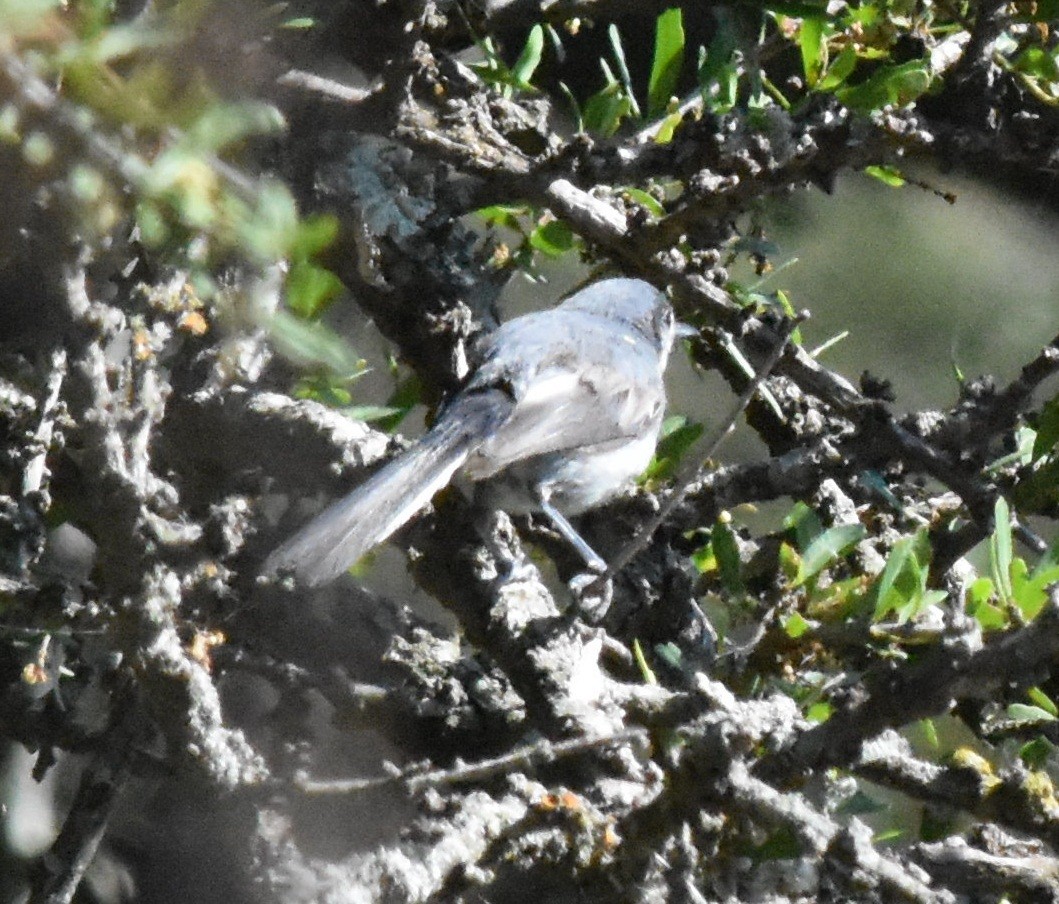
column 1013, row 799
column 926, row 687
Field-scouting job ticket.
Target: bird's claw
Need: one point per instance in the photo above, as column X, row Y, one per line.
column 593, row 593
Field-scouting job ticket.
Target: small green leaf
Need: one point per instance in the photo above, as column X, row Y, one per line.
column 902, row 584
column 804, row 523
column 990, row 617
column 704, row 559
column 1036, row 753
column 726, row 550
column 1047, row 429
column 667, row 62
column 1000, row 550
column 506, row 215
column 819, row 712
column 553, row 238
column 605, row 110
column 841, row 69
column 370, row 413
column 930, row 732
column 309, row 289
column 795, row 625
column 827, row 548
column 653, row 205
column 670, row 654
column 860, row 804
column 889, row 835
column 718, row 72
column 406, row 396
column 221, row 125
column 646, row 672
column 529, row 59
column 668, row 127
column 890, row 86
column 812, row 39
column 980, row 591
column 315, row 233
column 314, row 343
column 1041, row 699
column 623, row 67
column 790, row 562
column 677, row 436
column 888, row 175
column 1021, row 712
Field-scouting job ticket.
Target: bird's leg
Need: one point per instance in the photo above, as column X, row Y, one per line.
column 559, row 522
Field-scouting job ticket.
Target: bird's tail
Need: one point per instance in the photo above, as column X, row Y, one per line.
column 347, row 529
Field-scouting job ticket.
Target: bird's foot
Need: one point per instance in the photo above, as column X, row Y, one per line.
column 593, row 593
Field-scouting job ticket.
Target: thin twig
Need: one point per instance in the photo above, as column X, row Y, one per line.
column 532, row 755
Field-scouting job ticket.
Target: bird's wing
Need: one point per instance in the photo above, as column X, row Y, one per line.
column 578, row 402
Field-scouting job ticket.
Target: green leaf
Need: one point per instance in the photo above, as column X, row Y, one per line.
column 668, row 61
column 860, row 804
column 553, row 238
column 930, row 732
column 827, row 548
column 1000, row 550
column 529, row 59
column 653, row 205
column 718, row 73
column 804, row 523
column 1047, row 429
column 313, row 343
column 315, row 233
column 812, row 39
column 726, row 550
column 1041, row 699
column 407, row 395
column 623, row 67
column 892, row 592
column 1036, row 753
column 370, row 413
column 795, row 625
column 788, row 308
column 668, row 127
column 888, row 175
column 221, row 125
column 605, row 110
column 506, row 215
column 979, row 607
column 841, row 69
column 646, row 672
column 310, row 289
column 678, row 434
column 1021, row 712
column 819, row 712
column 889, row 86
column 1038, row 62
column 790, row 562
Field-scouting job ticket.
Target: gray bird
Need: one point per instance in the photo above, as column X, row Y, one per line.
column 560, row 415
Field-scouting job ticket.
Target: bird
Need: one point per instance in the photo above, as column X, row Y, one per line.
column 561, row 414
